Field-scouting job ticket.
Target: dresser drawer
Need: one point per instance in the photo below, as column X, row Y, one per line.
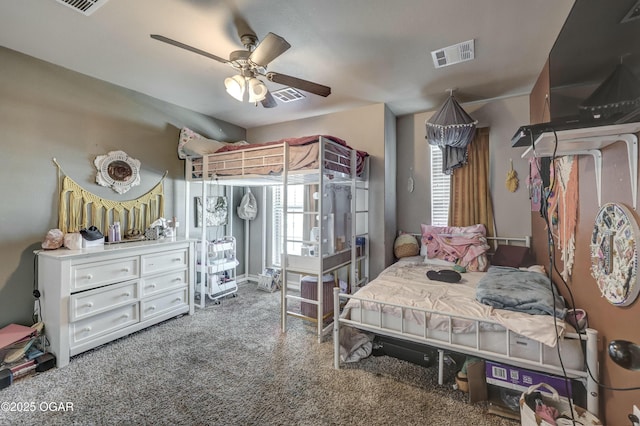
column 87, row 303
column 158, row 283
column 164, row 303
column 164, row 261
column 85, row 276
column 84, row 330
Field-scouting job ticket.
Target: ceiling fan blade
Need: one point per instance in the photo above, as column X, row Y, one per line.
column 271, row 46
column 298, row 83
column 189, row 48
column 246, row 34
column 269, row 101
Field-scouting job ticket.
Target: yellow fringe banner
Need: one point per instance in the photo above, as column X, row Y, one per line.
column 80, row 209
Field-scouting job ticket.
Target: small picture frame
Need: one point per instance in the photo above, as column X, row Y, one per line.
column 216, row 211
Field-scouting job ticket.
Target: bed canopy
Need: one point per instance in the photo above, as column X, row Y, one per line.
column 452, row 129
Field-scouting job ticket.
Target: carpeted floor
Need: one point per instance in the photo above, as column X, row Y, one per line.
column 229, row 364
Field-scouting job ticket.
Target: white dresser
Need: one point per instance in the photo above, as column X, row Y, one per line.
column 92, row 296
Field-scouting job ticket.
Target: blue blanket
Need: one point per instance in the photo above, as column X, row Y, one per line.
column 522, row 291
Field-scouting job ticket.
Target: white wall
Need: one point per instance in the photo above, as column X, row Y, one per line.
column 503, row 117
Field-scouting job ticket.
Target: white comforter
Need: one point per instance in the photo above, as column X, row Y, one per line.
column 406, row 284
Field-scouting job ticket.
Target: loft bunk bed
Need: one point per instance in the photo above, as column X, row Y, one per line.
column 333, row 214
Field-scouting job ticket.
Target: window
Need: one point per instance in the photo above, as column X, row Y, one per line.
column 440, row 189
column 295, row 221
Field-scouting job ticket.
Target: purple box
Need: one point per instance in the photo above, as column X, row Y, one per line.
column 520, row 379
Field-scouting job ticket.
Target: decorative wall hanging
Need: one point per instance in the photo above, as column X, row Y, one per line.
column 512, row 181
column 614, row 254
column 118, row 171
column 534, row 184
column 79, row 208
column 410, row 181
column 563, row 207
column 216, row 211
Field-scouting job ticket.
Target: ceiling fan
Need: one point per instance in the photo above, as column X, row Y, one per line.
column 252, row 63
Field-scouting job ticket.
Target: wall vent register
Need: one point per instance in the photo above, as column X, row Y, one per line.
column 454, row 54
column 86, row 7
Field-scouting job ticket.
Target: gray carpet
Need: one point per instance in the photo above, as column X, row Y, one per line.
column 229, row 364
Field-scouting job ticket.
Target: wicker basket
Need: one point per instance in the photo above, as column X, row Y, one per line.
column 406, row 245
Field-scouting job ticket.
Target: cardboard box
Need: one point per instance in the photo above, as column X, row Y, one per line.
column 520, row 379
column 477, row 382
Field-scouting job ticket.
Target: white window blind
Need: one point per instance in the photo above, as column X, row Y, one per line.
column 440, row 189
column 295, row 230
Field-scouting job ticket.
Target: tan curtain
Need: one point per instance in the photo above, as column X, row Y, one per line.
column 470, row 193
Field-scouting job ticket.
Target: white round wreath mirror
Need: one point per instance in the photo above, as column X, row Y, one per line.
column 614, row 254
column 118, row 171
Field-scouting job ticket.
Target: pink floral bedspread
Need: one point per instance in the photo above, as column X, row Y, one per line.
column 468, row 250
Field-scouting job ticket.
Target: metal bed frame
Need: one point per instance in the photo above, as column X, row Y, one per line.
column 588, row 341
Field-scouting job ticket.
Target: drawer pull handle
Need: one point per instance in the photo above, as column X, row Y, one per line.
column 151, row 308
column 177, row 259
column 126, row 294
column 89, row 304
column 177, row 299
column 178, row 279
column 87, row 329
column 125, row 269
column 152, row 285
column 89, row 276
column 125, row 316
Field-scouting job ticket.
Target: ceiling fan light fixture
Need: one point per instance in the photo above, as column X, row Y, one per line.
column 251, row 62
column 257, row 90
column 235, row 86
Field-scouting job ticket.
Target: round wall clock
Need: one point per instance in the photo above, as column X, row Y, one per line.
column 614, row 254
column 118, row 171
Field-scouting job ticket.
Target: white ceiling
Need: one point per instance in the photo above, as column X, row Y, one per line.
column 367, row 51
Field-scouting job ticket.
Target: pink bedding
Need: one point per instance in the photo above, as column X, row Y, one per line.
column 464, row 250
column 465, row 246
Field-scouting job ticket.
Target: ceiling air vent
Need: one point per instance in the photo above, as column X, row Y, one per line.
column 288, row 94
column 453, row 54
column 86, row 7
